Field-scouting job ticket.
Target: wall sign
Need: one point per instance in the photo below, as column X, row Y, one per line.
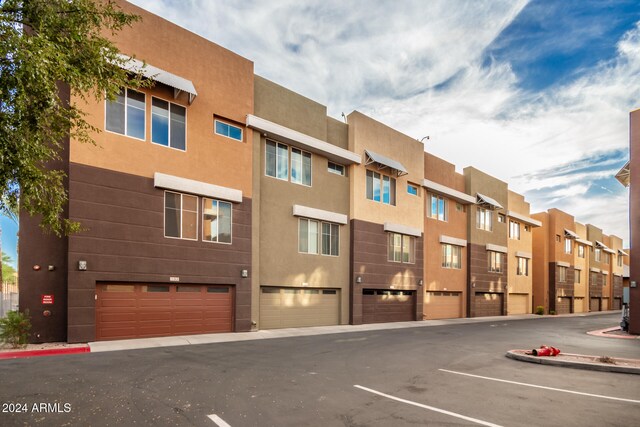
column 47, row 299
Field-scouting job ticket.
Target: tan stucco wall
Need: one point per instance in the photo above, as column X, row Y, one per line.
column 477, row 181
column 224, row 82
column 366, row 133
column 541, row 261
column 276, row 260
column 560, row 221
column 520, row 284
column 582, row 289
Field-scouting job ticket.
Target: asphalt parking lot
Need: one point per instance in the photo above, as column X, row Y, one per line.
column 440, row 376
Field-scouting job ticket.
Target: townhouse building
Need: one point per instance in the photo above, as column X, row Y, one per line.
column 487, row 240
column 445, row 240
column 581, row 269
column 164, row 199
column 599, row 269
column 301, row 229
column 386, row 218
column 616, row 271
column 520, row 255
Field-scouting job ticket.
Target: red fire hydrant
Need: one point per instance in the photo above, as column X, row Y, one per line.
column 545, row 351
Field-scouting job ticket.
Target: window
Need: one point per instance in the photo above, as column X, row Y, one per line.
column 451, row 256
column 228, row 130
column 335, row 168
column 581, row 251
column 401, row 248
column 168, row 124
column 577, row 275
column 460, row 207
column 126, row 114
column 495, row 261
column 300, row 167
column 484, row 219
column 619, row 261
column 277, row 163
column 502, row 218
column 557, row 238
column 605, row 258
column 514, row 230
column 437, row 207
column 523, row 267
column 412, row 189
column 216, row 221
column 180, row 216
column 562, row 274
column 527, row 228
column 597, row 254
column 381, row 188
column 568, row 246
column 316, row 237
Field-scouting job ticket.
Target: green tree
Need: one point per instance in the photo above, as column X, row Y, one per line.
column 8, row 272
column 43, row 45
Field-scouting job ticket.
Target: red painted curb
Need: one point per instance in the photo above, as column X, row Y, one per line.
column 46, row 352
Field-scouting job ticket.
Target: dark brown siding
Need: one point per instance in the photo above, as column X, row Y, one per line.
column 562, row 305
column 124, row 242
column 481, row 280
column 617, row 286
column 488, row 304
column 596, row 281
column 558, row 289
column 634, row 220
column 369, row 261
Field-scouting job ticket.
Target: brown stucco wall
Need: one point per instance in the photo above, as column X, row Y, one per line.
column 634, row 219
column 541, row 259
column 520, row 284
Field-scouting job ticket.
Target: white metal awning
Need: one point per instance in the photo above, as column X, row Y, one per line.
column 604, row 247
column 384, row 162
column 456, row 195
column 624, row 175
column 584, row 242
column 523, row 218
column 622, row 253
column 487, row 202
column 570, row 234
column 179, row 84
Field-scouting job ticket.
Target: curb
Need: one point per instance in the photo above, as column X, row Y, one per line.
column 595, row 366
column 603, row 333
column 45, row 352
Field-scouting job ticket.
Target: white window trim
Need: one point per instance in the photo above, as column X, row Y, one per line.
column 231, row 218
column 381, row 179
column 417, row 187
column 302, row 152
column 445, row 202
column 333, row 171
column 289, row 162
column 453, row 247
column 412, row 239
column 318, row 238
column 106, row 101
column 186, row 139
column 164, row 214
column 228, row 124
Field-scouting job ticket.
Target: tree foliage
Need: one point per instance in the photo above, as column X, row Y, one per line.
column 8, row 272
column 46, row 45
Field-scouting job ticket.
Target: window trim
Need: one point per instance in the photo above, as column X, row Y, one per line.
column 490, row 256
column 302, row 153
column 164, row 215
column 334, row 171
column 519, row 269
column 215, row 129
column 514, row 225
column 568, row 246
column 106, row 101
column 452, row 265
column 230, row 218
column 169, row 128
column 319, row 237
column 330, row 224
column 289, row 162
column 393, row 187
column 484, row 213
column 562, row 274
column 414, row 187
column 445, row 207
column 412, row 252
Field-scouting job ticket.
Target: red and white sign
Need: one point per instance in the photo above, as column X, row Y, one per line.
column 47, row 299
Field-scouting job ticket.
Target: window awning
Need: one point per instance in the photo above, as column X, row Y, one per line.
column 453, row 241
column 179, row 84
column 523, row 218
column 487, row 201
column 497, row 248
column 521, row 254
column 604, row 247
column 402, row 229
column 301, row 140
column 384, row 162
column 184, row 185
column 622, row 253
column 456, row 195
column 570, row 234
column 584, row 242
column 320, row 214
column 624, row 175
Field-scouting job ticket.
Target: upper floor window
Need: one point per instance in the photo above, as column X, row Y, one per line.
column 484, row 219
column 527, row 228
column 216, row 221
column 277, row 163
column 568, row 246
column 514, row 230
column 437, row 208
column 502, row 218
column 581, row 251
column 180, row 216
column 412, row 189
column 577, row 275
column 605, row 257
column 562, row 274
column 381, row 188
column 401, row 248
column 126, row 114
column 496, row 261
column 316, row 237
column 451, row 256
column 597, row 254
column 619, row 261
column 523, row 267
column 228, row 130
column 335, row 168
column 168, row 124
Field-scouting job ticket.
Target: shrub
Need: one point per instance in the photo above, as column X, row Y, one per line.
column 539, row 310
column 552, row 312
column 14, row 329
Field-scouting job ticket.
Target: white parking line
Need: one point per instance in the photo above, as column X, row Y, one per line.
column 541, row 386
column 219, row 421
column 431, row 408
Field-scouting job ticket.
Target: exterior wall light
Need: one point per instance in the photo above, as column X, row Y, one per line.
column 244, row 273
column 82, row 265
column 420, row 282
column 359, row 279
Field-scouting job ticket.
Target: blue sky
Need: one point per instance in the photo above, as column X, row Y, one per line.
column 536, row 93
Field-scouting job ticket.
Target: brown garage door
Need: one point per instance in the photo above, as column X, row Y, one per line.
column 154, row 310
column 563, row 305
column 488, row 304
column 442, row 305
column 518, row 304
column 594, row 304
column 617, row 303
column 292, row 308
column 605, row 304
column 381, row 305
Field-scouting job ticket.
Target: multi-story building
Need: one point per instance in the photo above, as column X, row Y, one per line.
column 387, row 220
column 300, row 227
column 445, row 240
column 520, row 255
column 616, row 271
column 487, row 240
column 164, row 199
column 581, row 250
column 599, row 261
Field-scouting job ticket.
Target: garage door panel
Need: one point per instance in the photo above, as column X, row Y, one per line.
column 380, row 305
column 605, row 304
column 578, row 305
column 563, row 305
column 518, row 304
column 488, row 304
column 443, row 305
column 292, row 307
column 594, row 304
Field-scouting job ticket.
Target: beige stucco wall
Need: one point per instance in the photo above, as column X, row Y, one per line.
column 276, row 260
column 582, row 289
column 520, row 284
column 477, row 181
column 367, row 133
column 224, row 82
column 540, row 244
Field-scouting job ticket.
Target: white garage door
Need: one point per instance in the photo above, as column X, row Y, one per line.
column 518, row 304
column 442, row 305
column 292, row 307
